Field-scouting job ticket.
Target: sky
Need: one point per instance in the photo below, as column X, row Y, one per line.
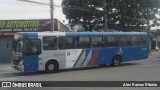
column 14, row 9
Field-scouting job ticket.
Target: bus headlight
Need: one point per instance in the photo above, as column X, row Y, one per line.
column 21, row 62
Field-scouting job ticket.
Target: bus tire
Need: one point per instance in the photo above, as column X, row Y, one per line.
column 116, row 60
column 51, row 66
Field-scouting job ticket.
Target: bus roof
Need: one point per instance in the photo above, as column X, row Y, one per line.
column 32, row 34
column 104, row 33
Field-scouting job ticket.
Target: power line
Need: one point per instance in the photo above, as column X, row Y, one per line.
column 22, row 12
column 27, row 10
column 34, row 2
column 16, row 11
column 51, row 9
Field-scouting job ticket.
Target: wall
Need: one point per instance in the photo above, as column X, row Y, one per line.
column 5, row 48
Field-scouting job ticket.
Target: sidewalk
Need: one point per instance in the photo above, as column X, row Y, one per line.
column 5, row 66
column 154, row 54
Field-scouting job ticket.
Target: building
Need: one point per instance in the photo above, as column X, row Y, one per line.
column 9, row 27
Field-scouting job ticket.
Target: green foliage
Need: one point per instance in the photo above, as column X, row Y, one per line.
column 121, row 13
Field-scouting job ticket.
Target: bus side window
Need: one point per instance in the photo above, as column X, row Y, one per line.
column 50, row 43
column 144, row 40
column 134, row 40
column 69, row 43
column 111, row 41
column 125, row 41
column 84, row 42
column 66, row 42
column 96, row 42
column 138, row 40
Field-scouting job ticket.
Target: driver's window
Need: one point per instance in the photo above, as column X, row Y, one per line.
column 34, row 47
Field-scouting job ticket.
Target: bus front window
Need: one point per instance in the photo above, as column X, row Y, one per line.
column 17, row 47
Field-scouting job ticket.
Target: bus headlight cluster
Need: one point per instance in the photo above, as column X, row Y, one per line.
column 21, row 62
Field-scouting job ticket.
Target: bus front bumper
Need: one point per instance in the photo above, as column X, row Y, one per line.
column 19, row 68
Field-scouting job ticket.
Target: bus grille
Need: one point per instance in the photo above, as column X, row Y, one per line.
column 16, row 62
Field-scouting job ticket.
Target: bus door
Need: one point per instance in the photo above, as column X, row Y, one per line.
column 31, row 60
column 30, row 63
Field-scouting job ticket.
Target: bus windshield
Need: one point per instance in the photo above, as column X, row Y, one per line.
column 17, row 46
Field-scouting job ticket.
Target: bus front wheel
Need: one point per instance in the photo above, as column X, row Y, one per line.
column 51, row 66
column 116, row 61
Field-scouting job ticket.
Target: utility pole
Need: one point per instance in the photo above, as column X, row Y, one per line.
column 157, row 39
column 149, row 32
column 52, row 15
column 105, row 16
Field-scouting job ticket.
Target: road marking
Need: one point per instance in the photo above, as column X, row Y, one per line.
column 7, row 79
column 149, row 65
column 149, row 61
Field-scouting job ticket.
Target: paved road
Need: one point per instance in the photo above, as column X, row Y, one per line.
column 143, row 70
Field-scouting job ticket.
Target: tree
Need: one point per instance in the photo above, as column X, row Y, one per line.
column 120, row 13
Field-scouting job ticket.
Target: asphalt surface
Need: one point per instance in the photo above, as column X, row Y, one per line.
column 142, row 70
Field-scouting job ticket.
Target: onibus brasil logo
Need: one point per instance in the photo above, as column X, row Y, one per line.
column 21, row 84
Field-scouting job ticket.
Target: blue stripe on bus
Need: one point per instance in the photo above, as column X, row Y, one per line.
column 29, row 35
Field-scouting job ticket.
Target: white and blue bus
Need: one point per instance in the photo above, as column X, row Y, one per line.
column 51, row 51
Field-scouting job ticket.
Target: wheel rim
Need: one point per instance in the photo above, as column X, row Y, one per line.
column 116, row 62
column 51, row 67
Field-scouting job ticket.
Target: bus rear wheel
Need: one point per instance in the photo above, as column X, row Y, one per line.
column 116, row 61
column 51, row 66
